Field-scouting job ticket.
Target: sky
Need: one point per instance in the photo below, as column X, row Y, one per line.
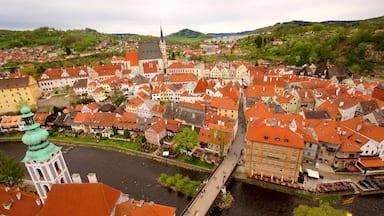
column 146, row 16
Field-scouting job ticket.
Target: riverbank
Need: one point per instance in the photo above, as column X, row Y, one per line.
column 117, row 148
column 308, row 195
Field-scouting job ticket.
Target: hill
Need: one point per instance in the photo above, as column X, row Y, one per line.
column 358, row 45
column 78, row 40
column 187, row 36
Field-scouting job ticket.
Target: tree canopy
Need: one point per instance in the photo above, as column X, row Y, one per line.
column 11, row 172
column 186, row 140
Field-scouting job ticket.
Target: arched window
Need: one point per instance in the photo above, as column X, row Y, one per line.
column 57, row 167
column 46, row 188
column 40, row 173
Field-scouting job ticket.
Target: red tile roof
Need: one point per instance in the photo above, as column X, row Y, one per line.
column 127, row 121
column 26, row 206
column 40, row 118
column 182, row 77
column 260, row 91
column 224, row 103
column 133, row 57
column 258, row 110
column 150, row 67
column 94, row 199
column 58, row 73
column 275, row 135
column 197, row 105
column 180, row 65
column 146, row 209
column 201, row 86
column 372, row 162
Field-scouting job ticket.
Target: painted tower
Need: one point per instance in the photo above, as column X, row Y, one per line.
column 43, row 159
column 163, row 48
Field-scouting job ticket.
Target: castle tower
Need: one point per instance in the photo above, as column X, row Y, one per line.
column 163, row 48
column 43, row 159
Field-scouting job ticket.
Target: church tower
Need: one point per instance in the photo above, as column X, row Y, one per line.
column 43, row 159
column 163, row 48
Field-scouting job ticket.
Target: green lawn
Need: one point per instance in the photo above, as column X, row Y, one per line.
column 194, row 161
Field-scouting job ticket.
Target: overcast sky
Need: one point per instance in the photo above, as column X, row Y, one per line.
column 207, row 16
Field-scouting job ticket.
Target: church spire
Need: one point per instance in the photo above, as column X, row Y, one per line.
column 161, row 35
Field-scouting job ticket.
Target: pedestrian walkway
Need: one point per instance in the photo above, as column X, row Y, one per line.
column 202, row 202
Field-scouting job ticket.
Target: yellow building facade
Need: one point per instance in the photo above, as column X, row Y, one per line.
column 15, row 88
column 273, row 152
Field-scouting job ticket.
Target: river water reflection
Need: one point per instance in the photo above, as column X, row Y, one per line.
column 137, row 177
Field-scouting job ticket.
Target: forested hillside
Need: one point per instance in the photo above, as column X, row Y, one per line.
column 358, row 45
column 78, row 40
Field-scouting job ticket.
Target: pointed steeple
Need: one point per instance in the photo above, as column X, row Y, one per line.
column 161, row 35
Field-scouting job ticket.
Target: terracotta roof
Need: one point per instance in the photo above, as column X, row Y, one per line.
column 331, row 108
column 275, row 135
column 258, row 110
column 159, row 109
column 224, row 103
column 145, row 209
column 197, row 105
column 10, row 121
column 260, row 91
column 40, row 118
column 150, row 67
column 326, row 131
column 101, row 119
column 69, row 72
column 373, row 131
column 170, row 124
column 79, row 199
column 128, row 120
column 135, row 102
column 182, row 77
column 181, row 65
column 25, row 206
column 133, row 57
column 212, row 118
column 306, row 95
column 157, row 127
column 201, row 86
column 352, row 142
column 372, row 162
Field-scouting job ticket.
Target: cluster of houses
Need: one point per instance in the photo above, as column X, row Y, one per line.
column 297, row 114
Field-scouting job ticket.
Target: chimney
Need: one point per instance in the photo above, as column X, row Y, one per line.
column 92, row 177
column 341, row 104
column 18, row 196
column 306, row 94
column 76, row 178
column 38, row 202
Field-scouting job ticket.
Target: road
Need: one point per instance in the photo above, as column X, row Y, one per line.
column 203, row 201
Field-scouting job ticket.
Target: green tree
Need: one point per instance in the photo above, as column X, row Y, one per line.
column 127, row 134
column 186, row 140
column 323, row 210
column 259, row 41
column 317, row 27
column 11, row 172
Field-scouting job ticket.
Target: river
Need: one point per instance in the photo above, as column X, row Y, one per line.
column 137, row 177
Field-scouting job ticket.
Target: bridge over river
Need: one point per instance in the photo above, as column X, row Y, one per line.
column 202, row 202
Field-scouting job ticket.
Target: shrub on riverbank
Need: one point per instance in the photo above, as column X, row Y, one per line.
column 180, row 183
